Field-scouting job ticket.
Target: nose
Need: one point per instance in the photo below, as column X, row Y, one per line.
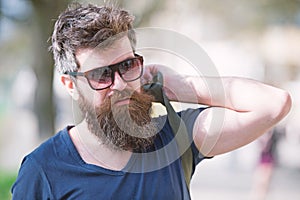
column 119, row 83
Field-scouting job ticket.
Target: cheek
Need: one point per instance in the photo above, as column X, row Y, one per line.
column 97, row 98
column 92, row 97
column 135, row 85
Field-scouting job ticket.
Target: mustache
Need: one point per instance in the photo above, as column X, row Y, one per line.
column 125, row 94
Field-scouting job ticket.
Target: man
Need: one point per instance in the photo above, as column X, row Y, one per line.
column 118, row 151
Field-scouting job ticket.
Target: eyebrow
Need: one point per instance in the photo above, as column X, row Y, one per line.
column 107, row 66
column 127, row 58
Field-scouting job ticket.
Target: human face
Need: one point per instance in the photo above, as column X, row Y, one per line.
column 120, row 114
column 89, row 59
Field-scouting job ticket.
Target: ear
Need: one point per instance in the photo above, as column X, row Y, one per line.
column 70, row 86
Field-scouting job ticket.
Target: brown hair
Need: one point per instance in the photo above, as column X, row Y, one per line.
column 88, row 27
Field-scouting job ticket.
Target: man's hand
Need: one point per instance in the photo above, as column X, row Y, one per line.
column 175, row 85
column 240, row 109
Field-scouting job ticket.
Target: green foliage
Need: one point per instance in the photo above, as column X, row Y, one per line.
column 6, row 181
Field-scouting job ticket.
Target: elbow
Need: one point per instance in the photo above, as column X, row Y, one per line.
column 284, row 106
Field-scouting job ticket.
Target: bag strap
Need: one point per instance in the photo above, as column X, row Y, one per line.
column 176, row 123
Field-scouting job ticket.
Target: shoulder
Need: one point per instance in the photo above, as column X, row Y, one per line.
column 189, row 117
column 45, row 153
column 31, row 182
column 50, row 147
column 32, row 176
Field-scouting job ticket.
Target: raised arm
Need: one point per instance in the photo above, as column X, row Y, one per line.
column 240, row 109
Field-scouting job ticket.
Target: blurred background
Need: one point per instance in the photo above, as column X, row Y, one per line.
column 258, row 39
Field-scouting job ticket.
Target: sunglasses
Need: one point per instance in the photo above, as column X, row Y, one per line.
column 103, row 77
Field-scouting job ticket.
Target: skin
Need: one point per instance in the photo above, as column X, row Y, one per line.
column 238, row 113
column 86, row 143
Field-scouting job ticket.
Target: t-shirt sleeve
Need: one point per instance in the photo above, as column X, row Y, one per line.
column 189, row 117
column 31, row 182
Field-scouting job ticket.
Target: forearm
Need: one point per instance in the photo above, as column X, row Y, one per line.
column 240, row 109
column 238, row 94
column 249, row 109
column 201, row 90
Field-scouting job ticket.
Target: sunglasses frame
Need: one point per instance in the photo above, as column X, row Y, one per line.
column 114, row 67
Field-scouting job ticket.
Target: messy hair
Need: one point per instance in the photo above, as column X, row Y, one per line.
column 88, row 27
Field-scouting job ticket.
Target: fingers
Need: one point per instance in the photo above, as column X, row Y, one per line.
column 149, row 72
column 152, row 69
column 147, row 77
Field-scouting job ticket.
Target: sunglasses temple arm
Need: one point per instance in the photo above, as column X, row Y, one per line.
column 76, row 73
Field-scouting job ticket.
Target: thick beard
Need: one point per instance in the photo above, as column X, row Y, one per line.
column 121, row 127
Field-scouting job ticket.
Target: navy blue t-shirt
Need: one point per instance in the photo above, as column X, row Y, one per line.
column 55, row 170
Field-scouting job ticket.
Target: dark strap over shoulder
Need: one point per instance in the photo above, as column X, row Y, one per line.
column 176, row 123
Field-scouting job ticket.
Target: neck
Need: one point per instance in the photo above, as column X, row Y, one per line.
column 92, row 151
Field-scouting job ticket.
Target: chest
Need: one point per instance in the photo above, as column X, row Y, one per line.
column 166, row 183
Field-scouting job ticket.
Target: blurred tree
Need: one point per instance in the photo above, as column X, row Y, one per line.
column 143, row 10
column 44, row 14
column 35, row 20
column 253, row 15
column 236, row 15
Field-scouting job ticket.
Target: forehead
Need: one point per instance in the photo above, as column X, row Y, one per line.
column 89, row 58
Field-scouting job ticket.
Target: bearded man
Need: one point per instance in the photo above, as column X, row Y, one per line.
column 119, row 151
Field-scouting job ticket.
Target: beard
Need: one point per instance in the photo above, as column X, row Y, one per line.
column 121, row 127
